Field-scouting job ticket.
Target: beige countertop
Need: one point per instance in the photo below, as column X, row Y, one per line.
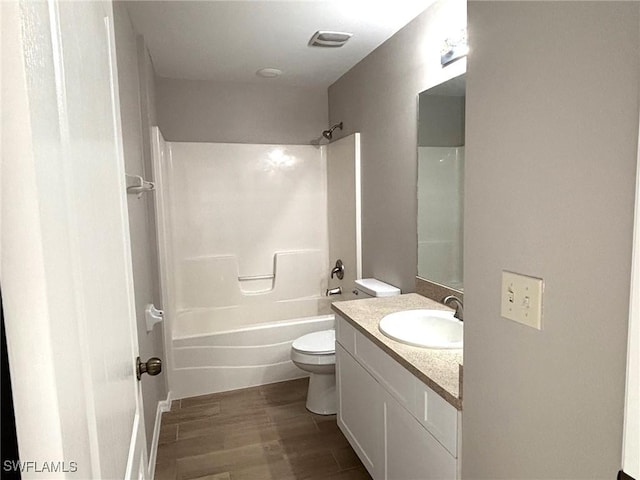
column 440, row 369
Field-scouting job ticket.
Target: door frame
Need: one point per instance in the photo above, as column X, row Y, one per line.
column 22, row 264
column 631, row 435
column 57, row 423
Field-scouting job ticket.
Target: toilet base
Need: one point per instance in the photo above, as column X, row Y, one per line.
column 321, row 397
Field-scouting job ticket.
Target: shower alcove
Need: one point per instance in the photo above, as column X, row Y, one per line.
column 247, row 236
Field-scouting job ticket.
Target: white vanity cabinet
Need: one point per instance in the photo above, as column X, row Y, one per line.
column 398, row 426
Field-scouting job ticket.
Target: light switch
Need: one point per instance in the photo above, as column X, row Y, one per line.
column 522, row 299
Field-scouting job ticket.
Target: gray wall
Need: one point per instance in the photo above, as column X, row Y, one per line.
column 378, row 97
column 552, row 129
column 207, row 111
column 136, row 107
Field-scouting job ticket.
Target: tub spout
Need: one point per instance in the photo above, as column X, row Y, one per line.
column 334, row 291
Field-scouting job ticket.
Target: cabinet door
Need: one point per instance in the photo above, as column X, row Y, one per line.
column 411, row 451
column 360, row 411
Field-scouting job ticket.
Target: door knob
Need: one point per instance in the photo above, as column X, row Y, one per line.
column 153, row 367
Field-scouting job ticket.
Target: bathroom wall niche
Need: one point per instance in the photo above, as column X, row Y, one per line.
column 441, row 183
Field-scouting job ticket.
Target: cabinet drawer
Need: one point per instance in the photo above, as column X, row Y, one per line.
column 345, row 335
column 437, row 416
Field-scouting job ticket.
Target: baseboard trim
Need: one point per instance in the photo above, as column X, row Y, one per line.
column 163, row 406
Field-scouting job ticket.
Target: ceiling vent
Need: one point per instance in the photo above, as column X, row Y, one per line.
column 329, row 39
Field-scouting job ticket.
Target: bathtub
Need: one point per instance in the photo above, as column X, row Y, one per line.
column 232, row 358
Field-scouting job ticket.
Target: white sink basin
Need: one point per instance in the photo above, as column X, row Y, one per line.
column 424, row 328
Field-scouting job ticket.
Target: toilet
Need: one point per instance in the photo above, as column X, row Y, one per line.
column 316, row 353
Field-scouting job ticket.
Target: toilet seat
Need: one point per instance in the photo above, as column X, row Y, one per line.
column 316, row 343
column 328, row 359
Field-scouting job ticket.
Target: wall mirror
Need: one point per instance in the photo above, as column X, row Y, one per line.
column 441, row 183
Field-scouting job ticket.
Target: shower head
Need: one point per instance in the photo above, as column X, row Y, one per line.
column 328, row 134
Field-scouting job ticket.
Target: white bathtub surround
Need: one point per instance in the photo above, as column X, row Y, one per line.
column 238, row 209
column 216, row 281
column 246, row 225
column 245, row 258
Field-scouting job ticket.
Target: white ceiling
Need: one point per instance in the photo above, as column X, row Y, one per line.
column 229, row 41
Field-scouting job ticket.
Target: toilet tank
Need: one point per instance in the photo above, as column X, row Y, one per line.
column 372, row 287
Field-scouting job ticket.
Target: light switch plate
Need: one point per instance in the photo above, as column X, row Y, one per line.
column 522, row 299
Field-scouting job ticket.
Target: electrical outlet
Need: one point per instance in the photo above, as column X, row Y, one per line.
column 522, row 299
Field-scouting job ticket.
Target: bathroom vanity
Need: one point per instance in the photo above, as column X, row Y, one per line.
column 398, row 405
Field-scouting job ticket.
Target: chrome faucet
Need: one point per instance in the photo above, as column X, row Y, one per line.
column 338, row 270
column 459, row 309
column 334, row 291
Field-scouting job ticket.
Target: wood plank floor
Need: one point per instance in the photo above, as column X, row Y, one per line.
column 256, row 433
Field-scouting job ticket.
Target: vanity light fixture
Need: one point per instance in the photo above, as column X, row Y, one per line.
column 454, row 48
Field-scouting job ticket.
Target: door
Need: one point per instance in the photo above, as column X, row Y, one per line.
column 66, row 261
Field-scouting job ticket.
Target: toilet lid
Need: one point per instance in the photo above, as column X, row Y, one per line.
column 317, row 342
